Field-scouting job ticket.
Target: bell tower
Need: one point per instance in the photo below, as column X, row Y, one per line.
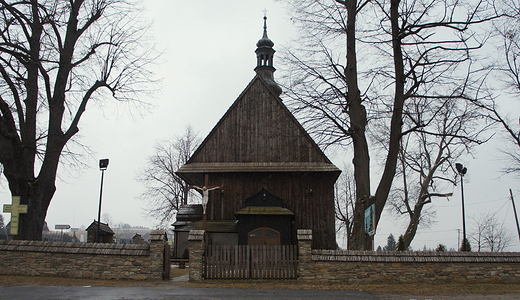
column 264, row 60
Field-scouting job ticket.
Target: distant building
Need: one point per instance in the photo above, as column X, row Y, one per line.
column 106, row 234
column 138, row 239
column 126, row 235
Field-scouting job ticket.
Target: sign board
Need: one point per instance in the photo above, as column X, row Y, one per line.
column 15, row 209
column 369, row 220
column 62, row 227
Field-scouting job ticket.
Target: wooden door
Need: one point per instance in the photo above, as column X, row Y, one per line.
column 263, row 236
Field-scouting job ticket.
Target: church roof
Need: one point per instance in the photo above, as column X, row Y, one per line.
column 264, row 210
column 257, row 133
column 211, row 226
column 265, row 198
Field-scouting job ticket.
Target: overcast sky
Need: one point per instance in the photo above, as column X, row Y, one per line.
column 208, row 60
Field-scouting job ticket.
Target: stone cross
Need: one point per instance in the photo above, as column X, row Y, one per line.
column 15, row 209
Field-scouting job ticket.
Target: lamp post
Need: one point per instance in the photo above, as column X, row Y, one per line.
column 462, row 171
column 103, row 165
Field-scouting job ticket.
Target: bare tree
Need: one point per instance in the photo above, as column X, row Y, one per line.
column 477, row 234
column 450, row 128
column 344, row 202
column 107, row 218
column 490, row 235
column 504, row 87
column 55, row 57
column 421, row 49
column 165, row 191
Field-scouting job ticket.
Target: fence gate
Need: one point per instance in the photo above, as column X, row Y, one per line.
column 251, row 262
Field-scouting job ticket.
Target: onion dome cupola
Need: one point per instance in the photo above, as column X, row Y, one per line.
column 264, row 60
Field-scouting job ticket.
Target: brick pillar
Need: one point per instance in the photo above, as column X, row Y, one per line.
column 304, row 252
column 196, row 250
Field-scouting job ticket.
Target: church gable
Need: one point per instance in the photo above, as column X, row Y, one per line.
column 258, row 145
column 258, row 128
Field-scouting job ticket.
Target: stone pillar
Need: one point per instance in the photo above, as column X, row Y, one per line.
column 158, row 258
column 196, row 250
column 304, row 253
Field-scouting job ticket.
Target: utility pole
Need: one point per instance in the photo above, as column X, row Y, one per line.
column 458, row 237
column 103, row 164
column 462, row 171
column 514, row 210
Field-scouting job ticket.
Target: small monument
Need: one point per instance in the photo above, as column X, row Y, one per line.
column 15, row 209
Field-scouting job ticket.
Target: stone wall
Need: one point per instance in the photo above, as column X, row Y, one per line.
column 407, row 266
column 85, row 260
column 385, row 266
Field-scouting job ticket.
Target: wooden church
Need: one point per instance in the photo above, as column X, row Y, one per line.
column 268, row 177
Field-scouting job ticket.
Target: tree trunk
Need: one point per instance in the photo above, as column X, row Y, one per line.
column 36, row 193
column 359, row 240
column 411, row 230
column 358, row 121
column 31, row 224
column 396, row 122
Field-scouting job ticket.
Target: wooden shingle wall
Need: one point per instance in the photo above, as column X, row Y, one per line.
column 259, row 144
column 310, row 196
column 258, row 128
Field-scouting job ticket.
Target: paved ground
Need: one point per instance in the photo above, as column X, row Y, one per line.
column 24, row 288
column 448, row 297
column 175, row 291
column 127, row 293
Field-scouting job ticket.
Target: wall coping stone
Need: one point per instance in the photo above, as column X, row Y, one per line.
column 158, row 235
column 196, row 235
column 304, row 234
column 414, row 256
column 76, row 248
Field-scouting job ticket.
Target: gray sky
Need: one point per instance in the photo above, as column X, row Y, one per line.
column 208, row 60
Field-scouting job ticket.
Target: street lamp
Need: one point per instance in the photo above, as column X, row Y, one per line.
column 462, row 171
column 103, row 165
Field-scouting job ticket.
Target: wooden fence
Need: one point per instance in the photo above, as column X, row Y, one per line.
column 251, row 262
